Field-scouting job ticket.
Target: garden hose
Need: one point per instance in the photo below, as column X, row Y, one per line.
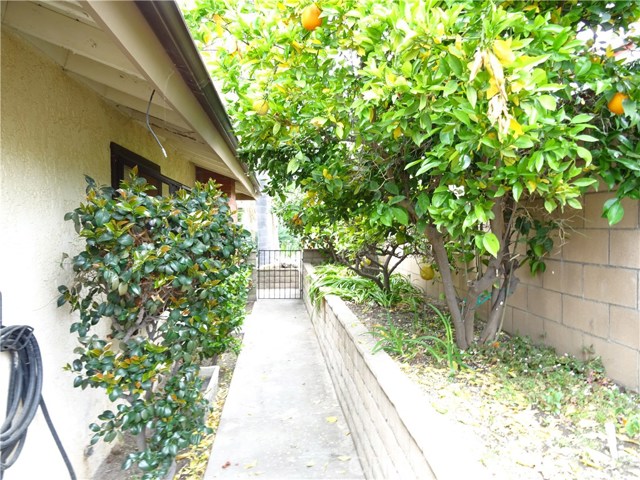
column 24, row 395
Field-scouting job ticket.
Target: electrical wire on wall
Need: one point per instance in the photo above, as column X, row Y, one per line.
column 24, row 394
column 164, row 152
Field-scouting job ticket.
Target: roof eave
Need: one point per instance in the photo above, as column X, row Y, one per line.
column 167, row 22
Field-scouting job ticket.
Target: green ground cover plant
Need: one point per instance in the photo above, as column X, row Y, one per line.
column 561, row 384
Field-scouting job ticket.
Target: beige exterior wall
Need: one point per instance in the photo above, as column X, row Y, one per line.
column 54, row 131
column 587, row 303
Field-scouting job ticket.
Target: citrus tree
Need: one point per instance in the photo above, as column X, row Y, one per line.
column 472, row 120
column 373, row 250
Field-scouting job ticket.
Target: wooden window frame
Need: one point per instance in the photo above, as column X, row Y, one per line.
column 122, row 157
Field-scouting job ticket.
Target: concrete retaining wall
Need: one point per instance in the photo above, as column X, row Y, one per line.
column 396, row 431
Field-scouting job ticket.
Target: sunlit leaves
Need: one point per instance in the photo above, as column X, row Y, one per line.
column 493, row 99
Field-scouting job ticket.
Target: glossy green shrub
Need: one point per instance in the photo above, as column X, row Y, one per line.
column 160, row 286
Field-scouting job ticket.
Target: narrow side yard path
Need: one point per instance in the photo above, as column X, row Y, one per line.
column 281, row 419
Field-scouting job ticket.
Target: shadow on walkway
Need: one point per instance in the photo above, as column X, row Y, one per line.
column 281, row 419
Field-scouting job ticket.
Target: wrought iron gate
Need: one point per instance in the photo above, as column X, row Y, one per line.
column 279, row 274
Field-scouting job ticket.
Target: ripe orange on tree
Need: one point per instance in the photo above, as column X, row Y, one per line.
column 427, row 272
column 310, row 17
column 615, row 104
column 261, row 107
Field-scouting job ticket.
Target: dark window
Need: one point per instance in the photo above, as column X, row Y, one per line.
column 123, row 161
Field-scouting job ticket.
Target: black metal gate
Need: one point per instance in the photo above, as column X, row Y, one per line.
column 279, row 274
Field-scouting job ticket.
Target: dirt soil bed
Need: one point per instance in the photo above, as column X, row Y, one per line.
column 520, row 440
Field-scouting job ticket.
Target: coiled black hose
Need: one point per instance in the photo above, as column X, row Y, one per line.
column 24, row 395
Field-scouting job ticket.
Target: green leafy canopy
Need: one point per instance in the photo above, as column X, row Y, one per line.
column 458, row 117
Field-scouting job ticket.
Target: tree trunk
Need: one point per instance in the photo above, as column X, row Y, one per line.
column 495, row 316
column 494, row 322
column 442, row 259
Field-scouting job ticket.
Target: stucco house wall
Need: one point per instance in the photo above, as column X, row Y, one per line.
column 587, row 303
column 54, row 130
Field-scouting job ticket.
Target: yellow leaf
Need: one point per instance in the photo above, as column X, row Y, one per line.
column 372, row 115
column 476, row 65
column 218, row 19
column 502, row 49
column 532, row 185
column 397, row 132
column 609, row 52
column 516, row 128
column 517, row 86
column 493, row 88
column 332, row 419
column 494, row 68
column 296, row 46
column 207, row 37
column 391, row 78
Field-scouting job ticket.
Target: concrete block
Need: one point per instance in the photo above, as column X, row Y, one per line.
column 586, row 315
column 587, row 246
column 528, row 325
column 625, row 248
column 620, row 362
column 518, row 298
column 507, row 324
column 564, row 339
column 617, row 286
column 526, row 278
column 625, row 326
column 544, row 303
column 419, row 464
column 563, row 276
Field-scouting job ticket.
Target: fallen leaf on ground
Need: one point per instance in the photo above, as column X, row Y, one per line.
column 251, row 465
column 332, row 419
column 344, row 458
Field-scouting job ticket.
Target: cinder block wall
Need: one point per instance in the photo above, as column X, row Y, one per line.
column 587, row 303
column 396, row 432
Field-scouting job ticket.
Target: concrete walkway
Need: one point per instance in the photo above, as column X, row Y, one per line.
column 282, row 419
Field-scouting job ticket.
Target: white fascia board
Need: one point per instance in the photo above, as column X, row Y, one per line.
column 129, row 30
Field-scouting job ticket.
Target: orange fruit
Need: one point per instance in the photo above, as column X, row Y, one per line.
column 427, row 272
column 261, row 107
column 310, row 17
column 615, row 104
